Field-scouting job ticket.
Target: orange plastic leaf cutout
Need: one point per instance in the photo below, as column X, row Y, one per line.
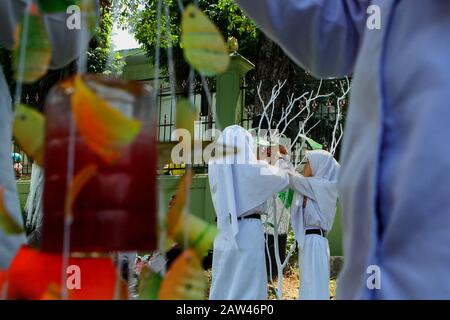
column 29, row 132
column 77, row 184
column 53, row 292
column 7, row 223
column 35, row 275
column 185, row 280
column 106, row 130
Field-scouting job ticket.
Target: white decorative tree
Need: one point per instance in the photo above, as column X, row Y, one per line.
column 300, row 107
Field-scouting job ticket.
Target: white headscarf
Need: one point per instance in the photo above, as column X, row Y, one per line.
column 323, row 183
column 239, row 182
column 325, row 170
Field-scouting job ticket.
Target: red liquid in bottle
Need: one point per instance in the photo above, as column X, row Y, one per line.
column 116, row 209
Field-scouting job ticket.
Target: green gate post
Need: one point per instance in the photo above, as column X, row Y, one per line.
column 229, row 96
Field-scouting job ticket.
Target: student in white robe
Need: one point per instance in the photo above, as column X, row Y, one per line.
column 240, row 186
column 395, row 206
column 312, row 213
column 65, row 48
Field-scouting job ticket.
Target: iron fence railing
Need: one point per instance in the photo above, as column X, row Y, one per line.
column 324, row 114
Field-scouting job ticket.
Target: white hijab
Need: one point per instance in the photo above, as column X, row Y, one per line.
column 239, row 182
column 323, row 183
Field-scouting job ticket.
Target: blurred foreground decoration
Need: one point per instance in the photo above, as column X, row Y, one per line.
column 7, row 224
column 113, row 129
column 34, row 275
column 32, row 48
column 97, row 143
column 185, row 279
column 29, row 132
column 203, row 45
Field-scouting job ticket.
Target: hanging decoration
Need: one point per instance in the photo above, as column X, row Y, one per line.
column 7, row 224
column 106, row 185
column 183, row 226
column 35, row 43
column 185, row 280
column 186, row 116
column 29, row 132
column 112, row 196
column 203, row 45
column 107, row 131
column 34, row 275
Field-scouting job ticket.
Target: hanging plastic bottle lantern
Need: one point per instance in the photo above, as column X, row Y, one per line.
column 111, row 193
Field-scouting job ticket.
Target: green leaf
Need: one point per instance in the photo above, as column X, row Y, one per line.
column 29, row 132
column 312, row 144
column 7, row 223
column 287, row 201
column 38, row 52
column 149, row 284
column 271, row 225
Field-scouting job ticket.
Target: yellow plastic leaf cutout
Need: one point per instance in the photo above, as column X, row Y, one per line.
column 187, row 114
column 77, row 184
column 29, row 132
column 34, row 64
column 200, row 234
column 7, row 224
column 203, row 45
column 106, row 130
column 185, row 279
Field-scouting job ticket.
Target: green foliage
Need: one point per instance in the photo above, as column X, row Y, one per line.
column 100, row 57
column 230, row 20
column 52, row 6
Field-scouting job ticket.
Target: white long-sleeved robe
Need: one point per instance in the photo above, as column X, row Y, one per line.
column 394, row 184
column 240, row 186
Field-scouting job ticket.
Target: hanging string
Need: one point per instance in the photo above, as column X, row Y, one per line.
column 172, row 84
column 114, row 17
column 22, row 54
column 172, row 77
column 83, row 44
column 161, row 211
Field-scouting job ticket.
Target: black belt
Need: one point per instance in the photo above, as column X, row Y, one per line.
column 252, row 216
column 319, row 232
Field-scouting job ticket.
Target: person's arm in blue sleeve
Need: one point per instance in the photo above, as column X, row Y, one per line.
column 323, row 36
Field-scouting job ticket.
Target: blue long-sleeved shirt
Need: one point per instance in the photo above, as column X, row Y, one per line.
column 395, row 178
